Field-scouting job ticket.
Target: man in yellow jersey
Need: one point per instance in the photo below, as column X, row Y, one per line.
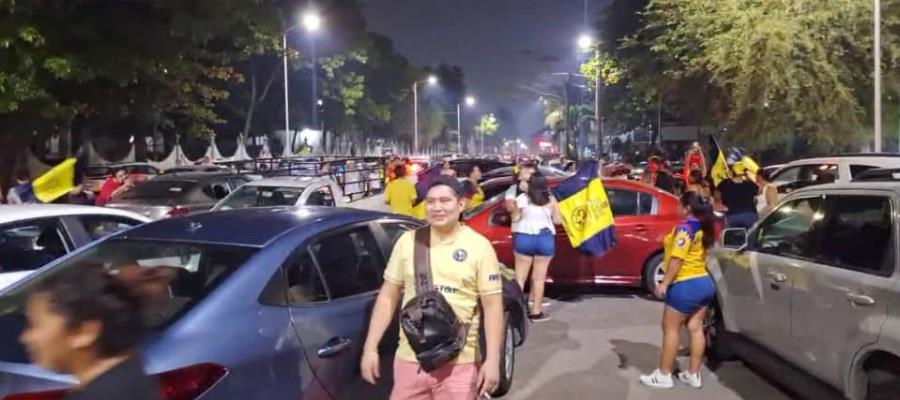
column 687, row 289
column 400, row 193
column 471, row 189
column 464, row 269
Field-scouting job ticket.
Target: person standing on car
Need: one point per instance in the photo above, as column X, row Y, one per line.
column 738, row 196
column 86, row 323
column 464, row 268
column 534, row 237
column 767, row 198
column 400, row 194
column 114, row 187
column 687, row 290
column 471, row 189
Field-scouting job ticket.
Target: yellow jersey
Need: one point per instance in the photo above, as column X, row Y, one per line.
column 686, row 243
column 400, row 195
column 477, row 198
column 463, row 268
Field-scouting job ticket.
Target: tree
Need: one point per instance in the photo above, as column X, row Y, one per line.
column 487, row 126
column 776, row 69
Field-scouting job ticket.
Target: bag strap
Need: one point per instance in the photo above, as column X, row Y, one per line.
column 422, row 260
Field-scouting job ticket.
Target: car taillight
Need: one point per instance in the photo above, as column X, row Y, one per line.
column 190, row 382
column 178, row 211
column 48, row 395
column 186, row 383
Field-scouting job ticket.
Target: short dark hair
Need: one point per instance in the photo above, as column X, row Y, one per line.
column 116, row 170
column 466, row 170
column 88, row 293
column 23, row 175
column 448, row 181
column 400, row 170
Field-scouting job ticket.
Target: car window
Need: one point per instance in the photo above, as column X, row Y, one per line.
column 351, row 262
column 623, row 202
column 175, row 276
column 304, row 284
column 101, row 226
column 646, row 203
column 262, row 196
column 787, row 175
column 237, row 182
column 321, row 197
column 159, row 189
column 790, row 229
column 393, row 230
column 857, row 232
column 819, row 174
column 29, row 245
column 855, row 170
column 217, row 190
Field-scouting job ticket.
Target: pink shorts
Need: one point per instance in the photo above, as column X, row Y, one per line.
column 450, row 382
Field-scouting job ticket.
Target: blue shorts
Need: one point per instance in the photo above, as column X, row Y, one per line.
column 543, row 244
column 690, row 295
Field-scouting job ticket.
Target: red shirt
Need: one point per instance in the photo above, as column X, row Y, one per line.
column 106, row 191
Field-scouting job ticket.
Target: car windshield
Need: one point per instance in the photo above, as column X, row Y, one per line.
column 262, row 196
column 159, row 189
column 183, row 274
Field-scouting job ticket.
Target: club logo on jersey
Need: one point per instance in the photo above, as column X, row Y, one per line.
column 680, row 242
column 460, row 255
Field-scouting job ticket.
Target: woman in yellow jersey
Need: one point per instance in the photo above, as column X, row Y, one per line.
column 471, row 189
column 687, row 290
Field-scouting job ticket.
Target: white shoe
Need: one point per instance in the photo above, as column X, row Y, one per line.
column 692, row 380
column 658, row 380
column 544, row 304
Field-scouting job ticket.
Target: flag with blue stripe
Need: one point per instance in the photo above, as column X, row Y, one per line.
column 586, row 211
column 423, row 182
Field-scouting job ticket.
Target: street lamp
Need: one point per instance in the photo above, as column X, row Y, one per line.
column 585, row 42
column 311, row 22
column 470, row 101
column 432, row 80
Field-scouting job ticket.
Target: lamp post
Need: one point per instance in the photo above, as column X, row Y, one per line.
column 585, row 42
column 877, row 56
column 312, row 23
column 470, row 101
column 432, row 80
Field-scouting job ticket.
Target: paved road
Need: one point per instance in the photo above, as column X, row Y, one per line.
column 596, row 345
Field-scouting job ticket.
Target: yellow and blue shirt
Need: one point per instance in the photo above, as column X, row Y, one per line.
column 400, row 195
column 686, row 243
column 463, row 267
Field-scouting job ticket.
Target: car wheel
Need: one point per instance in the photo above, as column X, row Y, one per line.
column 507, row 361
column 884, row 383
column 653, row 273
column 718, row 344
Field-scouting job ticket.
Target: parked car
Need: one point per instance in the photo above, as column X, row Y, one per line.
column 508, row 171
column 285, row 191
column 195, row 168
column 33, row 235
column 292, row 288
column 96, row 175
column 485, row 165
column 815, row 287
column 838, row 169
column 643, row 216
column 173, row 195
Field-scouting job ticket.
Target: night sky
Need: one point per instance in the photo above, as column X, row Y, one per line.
column 499, row 43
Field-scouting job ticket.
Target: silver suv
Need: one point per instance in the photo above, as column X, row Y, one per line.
column 816, row 284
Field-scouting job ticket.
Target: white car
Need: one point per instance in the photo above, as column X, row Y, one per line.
column 285, row 191
column 35, row 234
column 838, row 169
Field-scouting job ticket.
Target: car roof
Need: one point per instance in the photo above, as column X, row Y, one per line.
column 611, row 182
column 872, row 158
column 21, row 212
column 290, row 181
column 853, row 185
column 253, row 227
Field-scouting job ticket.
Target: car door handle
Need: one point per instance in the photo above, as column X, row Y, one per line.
column 860, row 299
column 334, row 346
column 776, row 277
column 641, row 228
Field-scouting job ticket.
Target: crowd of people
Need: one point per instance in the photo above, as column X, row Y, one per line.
column 114, row 187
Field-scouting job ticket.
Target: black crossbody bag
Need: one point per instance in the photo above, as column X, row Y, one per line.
column 433, row 330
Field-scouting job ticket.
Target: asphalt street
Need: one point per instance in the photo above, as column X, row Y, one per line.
column 596, row 345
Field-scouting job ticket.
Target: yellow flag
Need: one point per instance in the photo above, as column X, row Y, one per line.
column 586, row 211
column 55, row 183
column 718, row 170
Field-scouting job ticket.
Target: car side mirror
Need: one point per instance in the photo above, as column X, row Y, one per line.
column 501, row 217
column 734, row 238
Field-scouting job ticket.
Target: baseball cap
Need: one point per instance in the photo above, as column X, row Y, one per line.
column 449, row 181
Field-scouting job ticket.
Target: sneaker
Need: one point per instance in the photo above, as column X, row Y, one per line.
column 544, row 303
column 692, row 380
column 538, row 317
column 658, row 380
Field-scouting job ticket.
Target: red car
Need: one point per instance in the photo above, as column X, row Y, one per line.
column 644, row 215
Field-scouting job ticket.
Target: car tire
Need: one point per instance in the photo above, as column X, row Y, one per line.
column 884, row 383
column 652, row 273
column 718, row 341
column 507, row 360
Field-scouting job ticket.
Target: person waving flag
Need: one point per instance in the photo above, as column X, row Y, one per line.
column 586, row 212
column 58, row 181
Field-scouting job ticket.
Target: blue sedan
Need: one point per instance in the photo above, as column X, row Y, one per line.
column 267, row 303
